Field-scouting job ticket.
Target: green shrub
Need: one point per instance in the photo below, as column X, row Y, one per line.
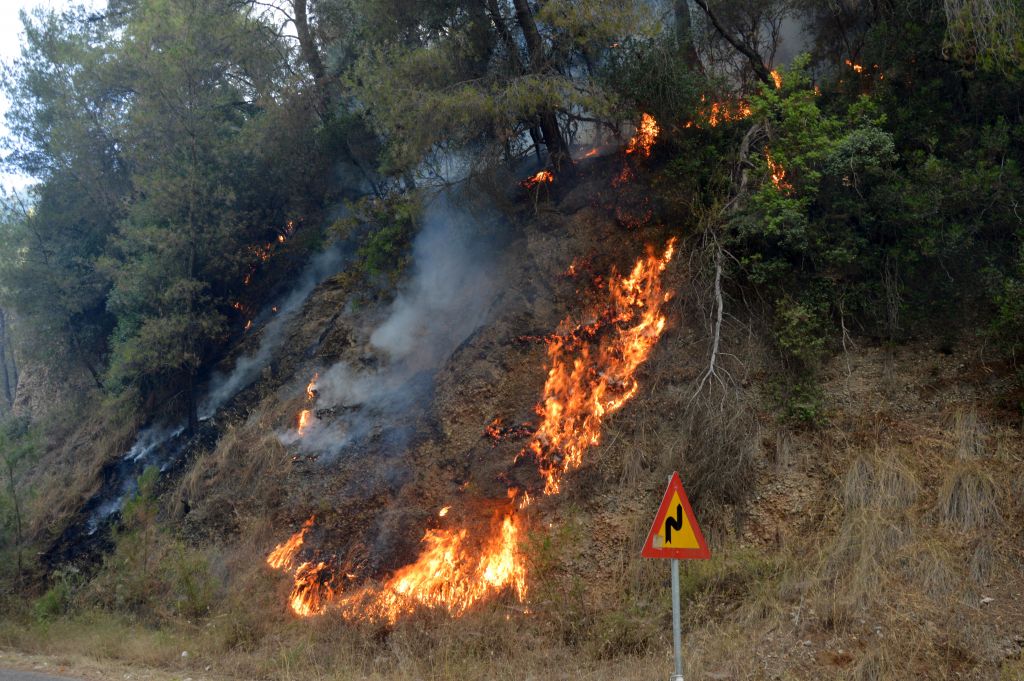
column 57, row 599
column 390, row 225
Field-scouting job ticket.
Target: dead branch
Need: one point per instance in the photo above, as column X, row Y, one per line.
column 756, row 63
column 714, row 371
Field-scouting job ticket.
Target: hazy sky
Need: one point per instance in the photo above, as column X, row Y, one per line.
column 11, row 36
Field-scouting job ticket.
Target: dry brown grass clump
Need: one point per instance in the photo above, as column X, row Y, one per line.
column 242, row 477
column 969, row 434
column 968, row 499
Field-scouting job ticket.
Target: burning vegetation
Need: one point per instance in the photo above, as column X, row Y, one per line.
column 646, row 134
column 778, row 173
column 539, row 178
column 592, row 367
column 469, row 558
column 717, row 112
column 306, row 415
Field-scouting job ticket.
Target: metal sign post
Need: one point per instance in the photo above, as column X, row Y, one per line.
column 676, row 535
column 677, row 627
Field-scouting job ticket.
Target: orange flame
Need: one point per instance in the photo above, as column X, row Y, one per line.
column 304, row 417
column 777, row 78
column 623, row 177
column 283, row 555
column 449, row 574
column 313, row 590
column 719, row 112
column 542, row 177
column 778, row 173
column 856, row 67
column 646, row 134
column 590, row 377
column 586, row 384
column 307, row 414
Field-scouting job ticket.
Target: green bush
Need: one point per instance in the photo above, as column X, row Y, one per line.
column 390, row 225
column 57, row 599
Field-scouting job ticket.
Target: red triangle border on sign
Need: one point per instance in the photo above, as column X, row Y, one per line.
column 699, row 553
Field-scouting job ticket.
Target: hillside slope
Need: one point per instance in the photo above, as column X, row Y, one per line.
column 883, row 543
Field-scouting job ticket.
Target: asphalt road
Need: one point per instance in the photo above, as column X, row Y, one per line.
column 11, row 675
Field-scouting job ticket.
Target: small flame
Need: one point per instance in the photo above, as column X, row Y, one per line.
column 623, row 177
column 646, row 134
column 591, row 153
column 248, row 325
column 542, row 177
column 304, row 417
column 777, row 77
column 283, row 555
column 443, row 512
column 856, row 67
column 778, row 173
column 719, row 112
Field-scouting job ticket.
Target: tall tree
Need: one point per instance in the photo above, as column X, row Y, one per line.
column 475, row 78
column 67, row 106
column 194, row 75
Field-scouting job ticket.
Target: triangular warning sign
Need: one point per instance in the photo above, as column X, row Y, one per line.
column 675, row 533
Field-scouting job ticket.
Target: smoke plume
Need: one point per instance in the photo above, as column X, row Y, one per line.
column 447, row 296
column 225, row 386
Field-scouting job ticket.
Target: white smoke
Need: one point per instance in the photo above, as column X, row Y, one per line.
column 447, row 297
column 247, row 368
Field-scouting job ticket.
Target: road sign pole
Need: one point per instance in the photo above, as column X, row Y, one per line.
column 677, row 628
column 675, row 534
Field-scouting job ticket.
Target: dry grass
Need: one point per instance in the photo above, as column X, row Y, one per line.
column 242, row 477
column 484, row 645
column 968, row 499
column 969, row 434
column 67, row 472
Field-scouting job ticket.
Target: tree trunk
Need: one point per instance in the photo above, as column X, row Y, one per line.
column 498, row 19
column 5, row 378
column 684, row 36
column 193, row 406
column 311, row 55
column 558, row 150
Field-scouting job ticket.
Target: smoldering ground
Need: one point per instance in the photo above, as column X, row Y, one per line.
column 373, row 405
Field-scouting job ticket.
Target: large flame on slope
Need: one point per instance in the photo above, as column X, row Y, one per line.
column 587, row 381
column 591, row 375
column 454, row 571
